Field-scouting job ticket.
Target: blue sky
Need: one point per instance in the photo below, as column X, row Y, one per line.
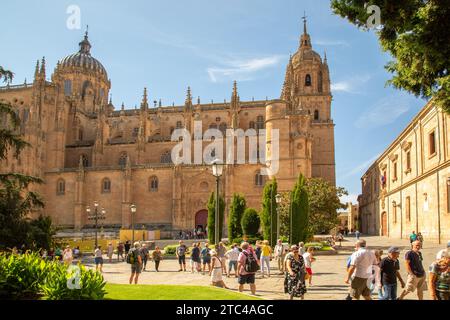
column 206, row 44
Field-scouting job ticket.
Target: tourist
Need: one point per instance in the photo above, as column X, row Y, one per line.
column 44, row 254
column 308, row 260
column 416, row 279
column 295, row 274
column 389, row 273
column 135, row 259
column 361, row 262
column 77, row 252
column 58, row 254
column 120, row 249
column 216, row 270
column 280, row 252
column 181, row 255
column 440, row 278
column 206, row 257
column 266, row 257
column 412, row 237
column 376, row 275
column 145, row 254
column 232, row 255
column 357, row 234
column 349, row 261
column 157, row 257
column 301, row 248
column 442, row 252
column 110, row 251
column 127, row 246
column 248, row 264
column 195, row 258
column 98, row 259
column 420, row 238
column 221, row 250
column 339, row 238
column 68, row 255
column 258, row 250
column 51, row 254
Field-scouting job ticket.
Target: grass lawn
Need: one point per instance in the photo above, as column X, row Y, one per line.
column 171, row 292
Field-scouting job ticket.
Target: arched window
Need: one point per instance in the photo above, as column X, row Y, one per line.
column 166, row 157
column 135, row 131
column 106, row 185
column 213, row 126
column 260, row 122
column 259, row 179
column 153, row 184
column 123, row 159
column 85, row 160
column 308, row 80
column 179, row 125
column 67, row 87
column 223, row 128
column 60, row 187
column 251, row 125
column 316, row 114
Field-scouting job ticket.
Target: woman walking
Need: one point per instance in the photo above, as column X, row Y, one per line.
column 216, row 270
column 309, row 259
column 157, row 257
column 266, row 256
column 195, row 258
column 295, row 275
column 110, row 251
column 440, row 278
column 206, row 258
column 68, row 255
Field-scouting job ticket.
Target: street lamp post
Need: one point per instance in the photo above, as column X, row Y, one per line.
column 133, row 211
column 217, row 169
column 96, row 216
column 278, row 201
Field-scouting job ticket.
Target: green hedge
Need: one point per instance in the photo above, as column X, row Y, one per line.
column 28, row 276
column 170, row 250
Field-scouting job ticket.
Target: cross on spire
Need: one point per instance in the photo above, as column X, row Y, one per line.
column 304, row 22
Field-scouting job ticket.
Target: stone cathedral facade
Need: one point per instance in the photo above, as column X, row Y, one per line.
column 87, row 151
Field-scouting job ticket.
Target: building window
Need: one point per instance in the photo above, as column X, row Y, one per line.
column 123, row 160
column 316, row 114
column 166, row 157
column 394, row 211
column 218, row 119
column 106, row 185
column 85, row 160
column 408, row 161
column 432, row 143
column 179, row 125
column 260, row 122
column 308, row 80
column 60, row 187
column 213, row 126
column 135, row 132
column 259, row 179
column 394, row 175
column 67, row 87
column 408, row 209
column 153, row 185
column 251, row 125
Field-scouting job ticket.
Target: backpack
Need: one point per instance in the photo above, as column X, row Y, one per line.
column 132, row 257
column 251, row 265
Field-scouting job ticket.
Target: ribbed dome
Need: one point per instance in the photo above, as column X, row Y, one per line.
column 307, row 54
column 83, row 59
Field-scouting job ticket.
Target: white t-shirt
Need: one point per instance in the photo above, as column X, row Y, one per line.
column 232, row 254
column 98, row 253
column 363, row 260
column 307, row 258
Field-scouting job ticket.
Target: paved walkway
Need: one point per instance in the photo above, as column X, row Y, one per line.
column 328, row 279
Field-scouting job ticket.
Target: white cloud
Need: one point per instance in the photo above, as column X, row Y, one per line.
column 351, row 85
column 383, row 112
column 242, row 69
column 353, row 198
column 329, row 43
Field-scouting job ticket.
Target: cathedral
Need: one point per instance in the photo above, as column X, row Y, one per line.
column 88, row 152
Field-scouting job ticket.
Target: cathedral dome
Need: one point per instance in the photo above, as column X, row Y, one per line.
column 83, row 60
column 306, row 54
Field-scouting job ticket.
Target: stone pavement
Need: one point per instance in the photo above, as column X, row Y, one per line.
column 328, row 280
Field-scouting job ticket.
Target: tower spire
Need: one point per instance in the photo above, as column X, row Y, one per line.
column 304, row 22
column 36, row 71
column 305, row 39
column 85, row 45
column 188, row 101
column 43, row 68
column 144, row 103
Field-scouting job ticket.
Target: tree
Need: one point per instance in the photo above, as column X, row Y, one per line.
column 237, row 209
column 212, row 217
column 415, row 33
column 250, row 222
column 285, row 214
column 269, row 212
column 324, row 202
column 299, row 211
column 41, row 232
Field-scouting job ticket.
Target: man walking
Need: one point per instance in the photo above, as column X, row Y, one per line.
column 145, row 254
column 360, row 263
column 389, row 269
column 248, row 264
column 181, row 255
column 134, row 258
column 416, row 274
column 280, row 252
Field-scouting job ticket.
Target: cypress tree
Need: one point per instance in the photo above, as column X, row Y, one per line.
column 212, row 217
column 268, row 213
column 237, row 208
column 299, row 211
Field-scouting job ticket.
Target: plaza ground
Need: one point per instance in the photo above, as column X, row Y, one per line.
column 328, row 280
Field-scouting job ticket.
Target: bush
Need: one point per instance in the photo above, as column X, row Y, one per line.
column 250, row 222
column 28, row 276
column 170, row 250
column 315, row 245
column 251, row 240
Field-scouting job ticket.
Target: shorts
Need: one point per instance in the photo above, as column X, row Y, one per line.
column 98, row 260
column 232, row 264
column 359, row 288
column 246, row 278
column 182, row 259
column 136, row 268
column 309, row 271
column 206, row 260
column 414, row 282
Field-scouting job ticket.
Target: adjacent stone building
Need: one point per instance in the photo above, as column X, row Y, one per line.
column 408, row 187
column 88, row 151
